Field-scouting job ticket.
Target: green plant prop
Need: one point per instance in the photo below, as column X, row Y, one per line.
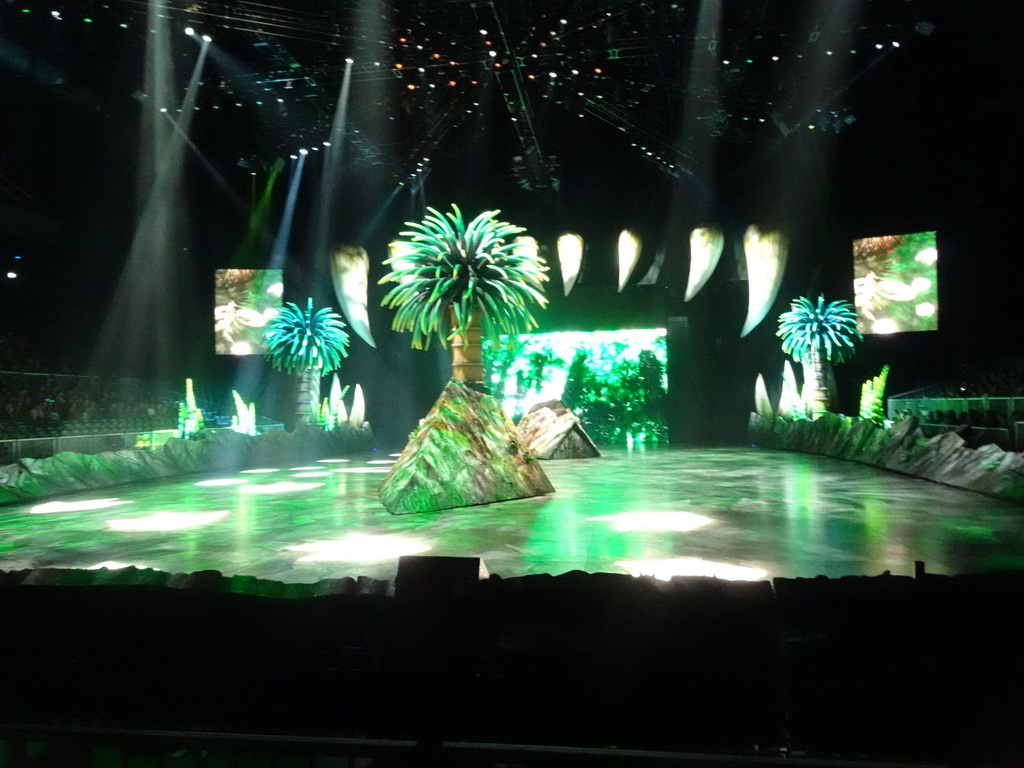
column 614, row 381
column 244, row 420
column 309, row 343
column 872, row 398
column 818, row 335
column 575, row 380
column 332, row 411
column 190, row 418
column 451, row 277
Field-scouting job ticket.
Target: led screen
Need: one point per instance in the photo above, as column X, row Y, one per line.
column 895, row 283
column 614, row 381
column 244, row 301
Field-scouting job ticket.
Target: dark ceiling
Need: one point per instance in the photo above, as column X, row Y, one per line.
column 670, row 81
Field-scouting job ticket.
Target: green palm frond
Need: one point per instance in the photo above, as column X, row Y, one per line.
column 299, row 340
column 828, row 329
column 477, row 267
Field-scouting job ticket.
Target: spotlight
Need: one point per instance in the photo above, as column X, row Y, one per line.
column 303, row 151
column 189, row 31
column 350, row 61
column 327, row 143
column 294, row 157
column 207, row 39
column 12, row 275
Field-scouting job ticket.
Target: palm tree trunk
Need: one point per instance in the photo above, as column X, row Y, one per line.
column 467, row 355
column 307, row 398
column 818, row 398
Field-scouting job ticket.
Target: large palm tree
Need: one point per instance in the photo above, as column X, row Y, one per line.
column 818, row 335
column 459, row 280
column 310, row 343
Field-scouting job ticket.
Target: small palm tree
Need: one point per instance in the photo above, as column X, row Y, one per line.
column 817, row 335
column 452, row 278
column 310, row 343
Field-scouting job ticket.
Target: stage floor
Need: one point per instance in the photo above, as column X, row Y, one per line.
column 735, row 513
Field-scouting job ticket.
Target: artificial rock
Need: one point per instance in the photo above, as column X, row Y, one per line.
column 465, row 452
column 552, row 431
column 944, row 458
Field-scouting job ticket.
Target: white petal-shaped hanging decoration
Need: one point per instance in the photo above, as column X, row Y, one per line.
column 350, row 272
column 706, row 245
column 396, row 251
column 766, row 261
column 570, row 259
column 629, row 255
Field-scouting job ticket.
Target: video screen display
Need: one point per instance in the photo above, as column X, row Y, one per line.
column 614, row 381
column 244, row 302
column 896, row 283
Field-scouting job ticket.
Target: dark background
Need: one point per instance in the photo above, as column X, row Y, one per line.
column 933, row 146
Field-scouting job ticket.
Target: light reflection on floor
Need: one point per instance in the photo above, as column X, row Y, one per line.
column 736, row 513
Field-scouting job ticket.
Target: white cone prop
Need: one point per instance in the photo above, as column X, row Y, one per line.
column 570, row 259
column 335, row 396
column 350, row 271
column 762, row 404
column 766, row 261
column 335, row 401
column 358, row 414
column 790, row 394
column 629, row 255
column 705, row 250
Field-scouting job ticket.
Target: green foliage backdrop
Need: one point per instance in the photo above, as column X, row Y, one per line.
column 615, row 381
